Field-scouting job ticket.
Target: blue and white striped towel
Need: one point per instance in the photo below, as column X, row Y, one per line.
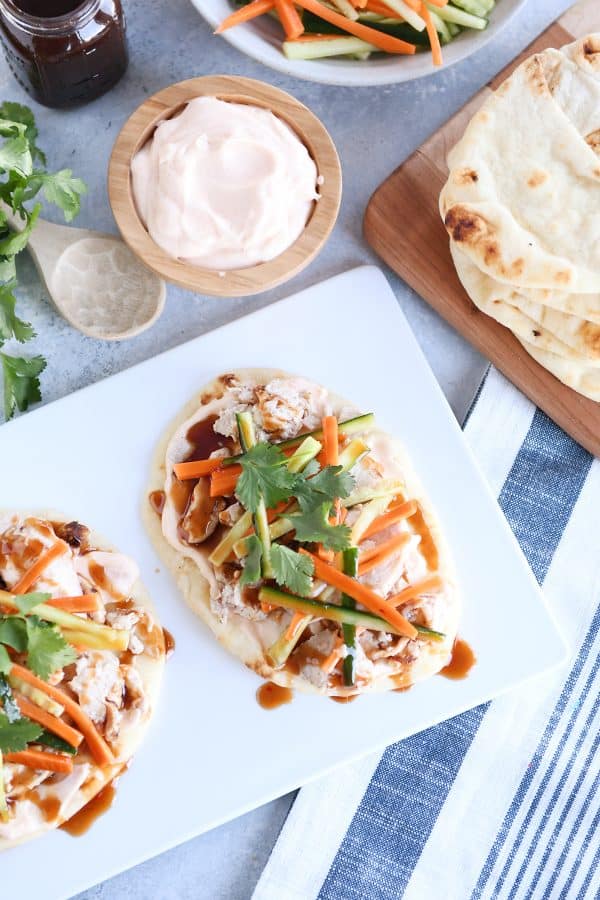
column 502, row 801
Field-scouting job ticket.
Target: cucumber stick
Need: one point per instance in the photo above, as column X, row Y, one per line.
column 247, row 436
column 319, row 48
column 338, row 613
column 350, row 567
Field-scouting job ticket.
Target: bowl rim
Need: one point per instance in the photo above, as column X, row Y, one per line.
column 236, row 282
column 253, row 43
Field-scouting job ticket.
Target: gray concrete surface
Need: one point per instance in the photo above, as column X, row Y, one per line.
column 374, row 129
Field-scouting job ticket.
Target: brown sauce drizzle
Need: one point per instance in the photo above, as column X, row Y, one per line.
column 302, row 655
column 181, row 493
column 157, row 501
column 427, row 545
column 349, row 698
column 100, row 578
column 462, row 661
column 204, row 440
column 169, row 642
column 270, row 696
column 87, row 815
column 49, row 806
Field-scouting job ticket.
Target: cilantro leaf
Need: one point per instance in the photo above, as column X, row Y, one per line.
column 10, row 324
column 292, row 570
column 9, row 704
column 329, row 483
column 15, row 241
column 26, row 602
column 47, row 649
column 252, row 568
column 47, row 739
column 21, row 382
column 64, row 191
column 313, row 527
column 13, row 633
column 5, row 661
column 14, row 736
column 264, row 476
column 15, row 156
column 17, row 113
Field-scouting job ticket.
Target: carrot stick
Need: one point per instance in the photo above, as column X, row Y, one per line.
column 383, row 41
column 381, row 9
column 391, row 517
column 371, row 558
column 223, row 481
column 362, row 594
column 289, row 18
column 434, row 38
column 439, row 3
column 414, row 5
column 330, row 662
column 39, row 759
column 86, row 603
column 50, row 722
column 245, row 14
column 329, row 425
column 97, row 745
column 294, row 623
column 426, row 586
column 196, row 468
column 37, row 569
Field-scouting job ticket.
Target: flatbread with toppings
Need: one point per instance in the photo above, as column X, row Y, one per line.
column 81, row 661
column 296, row 529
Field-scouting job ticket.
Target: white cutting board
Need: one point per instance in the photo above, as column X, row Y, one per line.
column 212, row 753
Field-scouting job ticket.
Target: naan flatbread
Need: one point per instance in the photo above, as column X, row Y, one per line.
column 283, row 406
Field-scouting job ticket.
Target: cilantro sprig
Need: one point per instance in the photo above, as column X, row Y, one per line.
column 313, row 527
column 266, row 478
column 23, row 177
column 45, row 648
column 15, row 730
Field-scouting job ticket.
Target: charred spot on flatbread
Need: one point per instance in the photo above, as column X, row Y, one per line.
column 466, row 176
column 591, row 51
column 537, row 178
column 593, row 140
column 536, row 77
column 590, row 336
column 471, row 229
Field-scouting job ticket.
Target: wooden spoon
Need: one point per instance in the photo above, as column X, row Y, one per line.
column 95, row 282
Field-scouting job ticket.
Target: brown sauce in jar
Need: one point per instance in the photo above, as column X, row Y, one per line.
column 270, row 696
column 462, row 661
column 83, row 820
column 64, row 52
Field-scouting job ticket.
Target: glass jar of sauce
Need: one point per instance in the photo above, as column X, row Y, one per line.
column 64, row 52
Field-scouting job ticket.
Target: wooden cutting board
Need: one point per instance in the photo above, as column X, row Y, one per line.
column 403, row 225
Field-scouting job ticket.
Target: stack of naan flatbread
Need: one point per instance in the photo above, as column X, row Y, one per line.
column 522, row 208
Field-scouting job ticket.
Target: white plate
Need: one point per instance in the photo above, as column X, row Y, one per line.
column 212, row 752
column 261, row 39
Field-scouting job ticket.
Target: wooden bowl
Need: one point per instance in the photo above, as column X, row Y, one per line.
column 236, row 282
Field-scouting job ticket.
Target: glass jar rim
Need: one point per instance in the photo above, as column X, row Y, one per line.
column 58, row 25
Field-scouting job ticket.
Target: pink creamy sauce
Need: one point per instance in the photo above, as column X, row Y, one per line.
column 224, row 185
